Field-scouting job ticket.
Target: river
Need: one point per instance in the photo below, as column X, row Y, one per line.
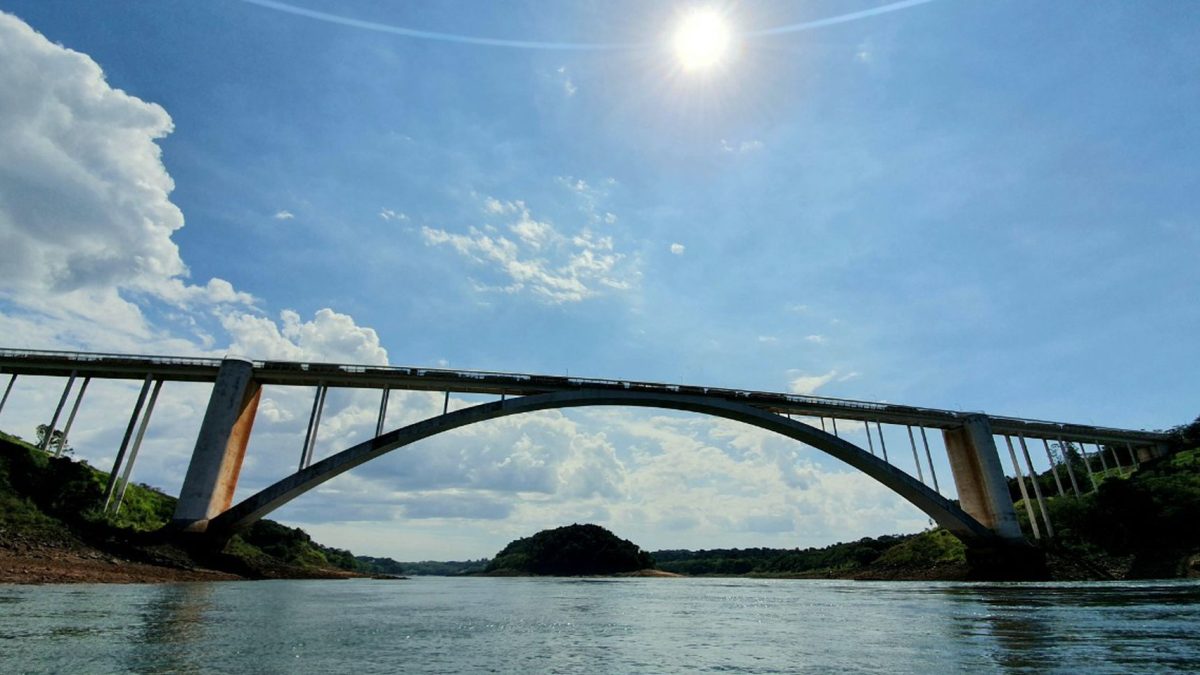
column 453, row 625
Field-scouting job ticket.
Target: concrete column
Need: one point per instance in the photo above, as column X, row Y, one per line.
column 216, row 462
column 979, row 478
column 1147, row 453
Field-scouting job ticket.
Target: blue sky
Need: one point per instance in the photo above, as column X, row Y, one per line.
column 980, row 206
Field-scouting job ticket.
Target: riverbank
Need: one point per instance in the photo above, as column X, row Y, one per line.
column 85, row 565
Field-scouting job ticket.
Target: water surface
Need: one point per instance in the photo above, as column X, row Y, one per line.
column 448, row 625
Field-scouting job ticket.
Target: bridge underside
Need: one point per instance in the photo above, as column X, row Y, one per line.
column 946, row 513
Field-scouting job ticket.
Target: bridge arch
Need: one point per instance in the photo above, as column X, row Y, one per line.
column 946, row 513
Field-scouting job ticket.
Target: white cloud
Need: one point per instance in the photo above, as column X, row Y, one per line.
column 678, row 248
column 538, row 258
column 329, row 336
column 284, row 215
column 389, row 214
column 816, row 339
column 809, row 384
column 768, row 339
column 742, row 147
column 86, row 219
column 568, row 85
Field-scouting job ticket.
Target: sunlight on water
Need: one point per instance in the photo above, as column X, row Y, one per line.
column 600, row 625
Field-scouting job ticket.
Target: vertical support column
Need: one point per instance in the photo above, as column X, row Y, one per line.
column 822, row 418
column 216, row 462
column 1132, row 455
column 137, row 444
column 314, row 426
column 916, row 459
column 870, row 445
column 1100, row 452
column 882, row 443
column 1087, row 464
column 137, row 411
column 1117, row 459
column 383, row 404
column 929, row 458
column 982, row 489
column 446, row 403
column 7, row 391
column 1037, row 487
column 1151, row 451
column 1062, row 448
column 1053, row 466
column 1037, row 531
column 62, row 401
column 833, row 421
column 62, row 443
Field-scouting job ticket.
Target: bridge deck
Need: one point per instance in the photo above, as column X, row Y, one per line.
column 291, row 373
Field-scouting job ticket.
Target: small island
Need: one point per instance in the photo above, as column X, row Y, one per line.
column 574, row 550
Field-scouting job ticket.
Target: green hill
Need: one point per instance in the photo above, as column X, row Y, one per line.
column 571, row 551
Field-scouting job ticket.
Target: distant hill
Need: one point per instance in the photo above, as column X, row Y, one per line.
column 571, row 551
column 433, row 568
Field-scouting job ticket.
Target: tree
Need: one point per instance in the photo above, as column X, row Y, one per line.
column 1186, row 436
column 56, row 440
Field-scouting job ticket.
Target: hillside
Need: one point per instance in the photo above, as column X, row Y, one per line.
column 52, row 528
column 1136, row 525
column 935, row 554
column 570, row 551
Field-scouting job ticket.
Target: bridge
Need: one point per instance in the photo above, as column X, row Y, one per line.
column 984, row 514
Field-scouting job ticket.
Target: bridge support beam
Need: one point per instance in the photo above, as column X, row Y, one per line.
column 216, row 462
column 979, row 477
column 1149, row 453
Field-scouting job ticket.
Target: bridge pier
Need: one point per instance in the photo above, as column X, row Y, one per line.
column 216, row 461
column 979, row 477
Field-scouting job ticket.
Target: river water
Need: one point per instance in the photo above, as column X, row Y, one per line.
column 450, row 625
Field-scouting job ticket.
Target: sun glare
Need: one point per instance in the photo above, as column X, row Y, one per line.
column 702, row 40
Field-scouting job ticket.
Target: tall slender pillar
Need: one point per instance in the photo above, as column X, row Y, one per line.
column 216, row 462
column 979, row 478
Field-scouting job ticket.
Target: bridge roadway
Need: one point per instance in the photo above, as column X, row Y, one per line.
column 291, row 373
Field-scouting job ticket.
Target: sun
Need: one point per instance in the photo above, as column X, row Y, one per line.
column 702, row 40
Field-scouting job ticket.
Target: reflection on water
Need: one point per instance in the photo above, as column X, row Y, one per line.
column 590, row 625
column 173, row 616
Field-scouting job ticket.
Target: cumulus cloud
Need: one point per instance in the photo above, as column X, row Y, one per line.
column 86, row 219
column 537, row 258
column 678, row 248
column 816, row 339
column 284, row 215
column 389, row 214
column 329, row 336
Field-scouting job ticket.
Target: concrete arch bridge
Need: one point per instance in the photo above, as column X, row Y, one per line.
column 983, row 516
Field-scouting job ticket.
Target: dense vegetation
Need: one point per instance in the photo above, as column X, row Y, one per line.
column 570, row 551
column 889, row 551
column 60, row 500
column 449, row 568
column 1140, row 524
